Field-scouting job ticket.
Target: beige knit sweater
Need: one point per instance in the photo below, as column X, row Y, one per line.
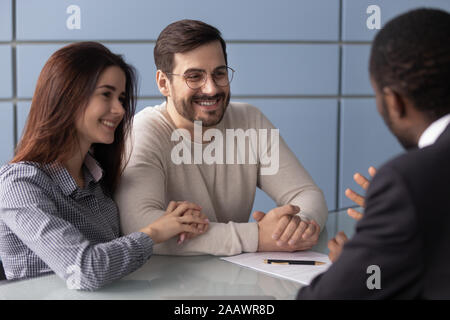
column 224, row 191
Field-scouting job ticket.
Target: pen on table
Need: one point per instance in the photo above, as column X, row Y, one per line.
column 303, row 262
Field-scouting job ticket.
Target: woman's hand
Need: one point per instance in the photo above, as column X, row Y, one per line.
column 175, row 221
column 202, row 227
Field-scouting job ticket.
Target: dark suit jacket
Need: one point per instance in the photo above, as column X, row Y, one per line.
column 2, row 272
column 405, row 231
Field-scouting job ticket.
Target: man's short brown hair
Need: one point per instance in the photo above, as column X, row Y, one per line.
column 183, row 36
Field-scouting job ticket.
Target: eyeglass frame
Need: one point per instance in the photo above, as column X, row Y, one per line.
column 205, row 77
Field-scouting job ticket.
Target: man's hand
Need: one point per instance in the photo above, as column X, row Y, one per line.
column 282, row 230
column 357, row 198
column 336, row 245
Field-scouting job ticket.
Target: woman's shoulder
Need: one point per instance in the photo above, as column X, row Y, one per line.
column 23, row 172
column 22, row 183
column 22, row 167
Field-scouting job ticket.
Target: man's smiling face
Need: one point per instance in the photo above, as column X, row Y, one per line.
column 209, row 102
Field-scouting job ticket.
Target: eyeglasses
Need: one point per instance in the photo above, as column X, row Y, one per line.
column 195, row 79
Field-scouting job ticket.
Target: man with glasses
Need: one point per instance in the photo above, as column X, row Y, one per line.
column 194, row 76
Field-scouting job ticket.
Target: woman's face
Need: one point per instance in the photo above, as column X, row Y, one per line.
column 104, row 111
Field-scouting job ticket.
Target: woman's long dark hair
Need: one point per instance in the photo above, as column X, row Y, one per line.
column 62, row 93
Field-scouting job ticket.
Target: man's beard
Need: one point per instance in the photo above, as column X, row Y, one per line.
column 187, row 110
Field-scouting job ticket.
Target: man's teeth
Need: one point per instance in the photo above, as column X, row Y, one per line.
column 108, row 123
column 206, row 103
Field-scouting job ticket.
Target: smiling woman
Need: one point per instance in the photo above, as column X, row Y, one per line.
column 66, row 89
column 104, row 111
column 56, row 208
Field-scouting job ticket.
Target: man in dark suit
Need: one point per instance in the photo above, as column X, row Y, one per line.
column 401, row 245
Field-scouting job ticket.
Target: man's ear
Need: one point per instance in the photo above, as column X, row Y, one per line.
column 163, row 83
column 395, row 103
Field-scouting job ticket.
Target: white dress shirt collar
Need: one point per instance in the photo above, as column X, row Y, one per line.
column 434, row 130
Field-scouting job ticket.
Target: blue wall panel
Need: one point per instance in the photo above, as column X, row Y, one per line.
column 346, row 223
column 260, row 69
column 365, row 141
column 31, row 59
column 355, row 70
column 354, row 26
column 5, row 72
column 6, row 132
column 5, row 20
column 330, row 227
column 284, row 69
column 144, row 20
column 308, row 127
column 22, row 110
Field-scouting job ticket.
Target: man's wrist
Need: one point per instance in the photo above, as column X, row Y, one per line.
column 262, row 243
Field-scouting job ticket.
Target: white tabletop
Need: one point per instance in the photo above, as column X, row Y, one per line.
column 170, row 277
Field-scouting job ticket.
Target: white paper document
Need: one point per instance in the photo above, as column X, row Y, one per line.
column 299, row 273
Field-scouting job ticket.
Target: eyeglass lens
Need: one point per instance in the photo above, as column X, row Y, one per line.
column 221, row 77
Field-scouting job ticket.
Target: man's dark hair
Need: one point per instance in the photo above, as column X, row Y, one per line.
column 411, row 55
column 183, row 36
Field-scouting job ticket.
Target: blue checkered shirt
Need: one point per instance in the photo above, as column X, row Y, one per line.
column 49, row 224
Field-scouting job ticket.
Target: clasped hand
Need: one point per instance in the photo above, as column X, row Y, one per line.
column 281, row 229
column 181, row 218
